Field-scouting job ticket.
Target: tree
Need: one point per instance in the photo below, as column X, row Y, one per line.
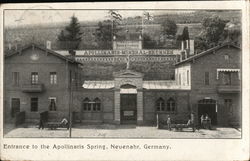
column 71, row 36
column 169, row 28
column 211, row 34
column 103, row 35
column 148, row 43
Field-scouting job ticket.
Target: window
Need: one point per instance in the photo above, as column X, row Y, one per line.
column 52, row 104
column 170, row 105
column 228, row 105
column 15, row 78
column 53, row 78
column 226, row 78
column 226, row 57
column 97, row 104
column 206, row 78
column 160, row 105
column 34, row 78
column 89, row 106
column 34, row 104
column 86, row 105
column 187, row 77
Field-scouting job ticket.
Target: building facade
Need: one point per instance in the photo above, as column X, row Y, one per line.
column 204, row 83
column 37, row 80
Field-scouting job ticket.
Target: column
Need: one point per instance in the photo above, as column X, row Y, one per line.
column 139, row 107
column 117, row 107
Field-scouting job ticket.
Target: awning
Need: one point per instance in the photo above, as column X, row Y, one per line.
column 98, row 84
column 226, row 70
column 162, row 85
column 128, row 91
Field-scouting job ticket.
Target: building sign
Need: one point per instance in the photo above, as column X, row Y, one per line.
column 126, row 52
column 123, row 45
column 128, row 113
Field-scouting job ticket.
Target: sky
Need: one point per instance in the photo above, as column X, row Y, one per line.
column 17, row 18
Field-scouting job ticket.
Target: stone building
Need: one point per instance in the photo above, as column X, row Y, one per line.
column 204, row 83
column 36, row 80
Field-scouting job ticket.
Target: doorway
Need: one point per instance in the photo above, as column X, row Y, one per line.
column 128, row 109
column 207, row 106
column 15, row 106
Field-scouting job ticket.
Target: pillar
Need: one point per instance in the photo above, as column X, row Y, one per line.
column 117, row 107
column 139, row 107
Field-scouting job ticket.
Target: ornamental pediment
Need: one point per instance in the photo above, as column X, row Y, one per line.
column 128, row 74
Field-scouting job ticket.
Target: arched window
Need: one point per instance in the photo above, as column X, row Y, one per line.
column 170, row 105
column 160, row 105
column 86, row 104
column 97, row 104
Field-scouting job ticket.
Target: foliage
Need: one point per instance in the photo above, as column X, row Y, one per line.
column 212, row 32
column 71, row 36
column 148, row 43
column 169, row 28
column 103, row 34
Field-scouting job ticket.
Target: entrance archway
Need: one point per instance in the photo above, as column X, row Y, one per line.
column 207, row 106
column 128, row 103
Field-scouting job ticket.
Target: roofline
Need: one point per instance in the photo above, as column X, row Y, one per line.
column 206, row 52
column 44, row 49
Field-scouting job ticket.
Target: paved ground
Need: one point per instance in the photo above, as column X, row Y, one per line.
column 118, row 131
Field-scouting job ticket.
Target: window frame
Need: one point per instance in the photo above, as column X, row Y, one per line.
column 15, row 78
column 171, row 105
column 32, row 103
column 53, row 78
column 34, row 78
column 206, row 78
column 55, row 107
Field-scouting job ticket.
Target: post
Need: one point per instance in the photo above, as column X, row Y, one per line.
column 71, row 104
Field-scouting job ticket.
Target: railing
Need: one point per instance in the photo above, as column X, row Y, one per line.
column 228, row 88
column 32, row 87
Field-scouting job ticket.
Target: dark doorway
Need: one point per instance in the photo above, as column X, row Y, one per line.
column 128, row 109
column 207, row 106
column 15, row 106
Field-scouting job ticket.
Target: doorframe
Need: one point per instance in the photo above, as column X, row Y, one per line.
column 12, row 104
column 216, row 110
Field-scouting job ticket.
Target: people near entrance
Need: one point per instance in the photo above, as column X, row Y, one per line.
column 205, row 122
column 202, row 121
column 192, row 120
column 169, row 122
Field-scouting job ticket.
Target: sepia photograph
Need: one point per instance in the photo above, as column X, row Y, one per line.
column 125, row 81
column 121, row 73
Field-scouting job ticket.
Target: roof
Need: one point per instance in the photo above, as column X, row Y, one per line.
column 98, row 84
column 163, row 85
column 43, row 49
column 149, row 85
column 209, row 51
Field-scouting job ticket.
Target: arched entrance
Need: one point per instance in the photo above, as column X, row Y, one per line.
column 209, row 107
column 128, row 110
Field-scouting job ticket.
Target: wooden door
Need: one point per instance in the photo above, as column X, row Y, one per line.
column 15, row 106
column 128, row 108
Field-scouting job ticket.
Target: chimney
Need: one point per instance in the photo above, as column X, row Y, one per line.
column 191, row 47
column 183, row 55
column 182, row 45
column 48, row 44
column 72, row 54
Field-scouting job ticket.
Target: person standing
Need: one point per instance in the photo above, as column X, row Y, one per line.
column 169, row 122
column 192, row 121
